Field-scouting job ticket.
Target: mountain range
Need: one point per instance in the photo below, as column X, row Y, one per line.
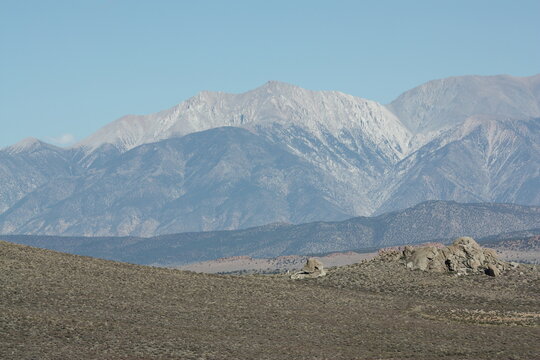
column 426, row 222
column 280, row 153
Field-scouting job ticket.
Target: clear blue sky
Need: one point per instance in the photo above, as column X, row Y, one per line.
column 69, row 67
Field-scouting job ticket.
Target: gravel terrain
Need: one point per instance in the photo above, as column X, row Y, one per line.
column 60, row 306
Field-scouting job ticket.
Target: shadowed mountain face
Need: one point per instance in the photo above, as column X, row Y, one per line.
column 220, row 178
column 26, row 166
column 429, row 221
column 280, row 153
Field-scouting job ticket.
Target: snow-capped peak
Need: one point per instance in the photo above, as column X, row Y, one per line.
column 272, row 103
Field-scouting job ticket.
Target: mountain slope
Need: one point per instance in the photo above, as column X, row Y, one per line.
column 441, row 104
column 223, row 178
column 352, row 140
column 483, row 159
column 28, row 165
column 274, row 103
column 302, row 156
column 430, row 221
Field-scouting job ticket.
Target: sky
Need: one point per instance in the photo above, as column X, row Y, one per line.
column 69, row 67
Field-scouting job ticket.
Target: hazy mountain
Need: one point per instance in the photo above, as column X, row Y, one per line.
column 28, row 165
column 429, row 221
column 482, row 159
column 280, row 153
column 447, row 102
column 318, row 112
column 220, row 178
column 352, row 140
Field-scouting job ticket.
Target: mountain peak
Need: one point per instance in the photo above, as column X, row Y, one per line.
column 275, row 102
column 274, row 87
column 278, row 85
column 27, row 144
column 443, row 103
column 269, row 87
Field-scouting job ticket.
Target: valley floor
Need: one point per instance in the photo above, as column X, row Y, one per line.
column 59, row 306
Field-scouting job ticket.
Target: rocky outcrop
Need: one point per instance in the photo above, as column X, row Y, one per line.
column 313, row 269
column 464, row 256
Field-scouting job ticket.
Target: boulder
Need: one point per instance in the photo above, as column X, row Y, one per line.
column 492, row 270
column 464, row 256
column 312, row 269
column 424, row 258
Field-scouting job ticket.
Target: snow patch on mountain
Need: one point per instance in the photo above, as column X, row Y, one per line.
column 318, row 112
column 27, row 145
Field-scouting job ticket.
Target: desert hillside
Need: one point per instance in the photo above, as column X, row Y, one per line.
column 59, row 306
column 521, row 246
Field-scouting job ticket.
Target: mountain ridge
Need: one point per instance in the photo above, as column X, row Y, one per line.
column 351, row 154
column 510, row 96
column 425, row 222
column 273, row 102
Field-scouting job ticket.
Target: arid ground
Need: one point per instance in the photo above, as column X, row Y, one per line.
column 59, row 306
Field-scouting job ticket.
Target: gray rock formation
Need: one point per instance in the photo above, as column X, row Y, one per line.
column 313, row 269
column 463, row 257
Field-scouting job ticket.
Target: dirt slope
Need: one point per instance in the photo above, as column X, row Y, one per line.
column 59, row 306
